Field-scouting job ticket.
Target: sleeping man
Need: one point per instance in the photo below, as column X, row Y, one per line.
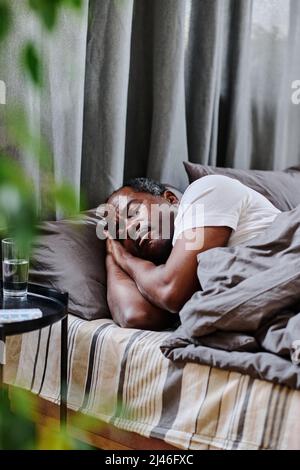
column 154, row 236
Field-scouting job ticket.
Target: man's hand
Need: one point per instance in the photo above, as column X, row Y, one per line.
column 118, row 252
column 127, row 305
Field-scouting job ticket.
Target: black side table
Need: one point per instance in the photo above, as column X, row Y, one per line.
column 54, row 306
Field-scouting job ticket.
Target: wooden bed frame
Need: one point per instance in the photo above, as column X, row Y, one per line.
column 93, row 431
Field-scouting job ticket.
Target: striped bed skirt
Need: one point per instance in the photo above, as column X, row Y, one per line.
column 121, row 377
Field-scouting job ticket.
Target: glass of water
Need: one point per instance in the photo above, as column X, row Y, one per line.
column 15, row 265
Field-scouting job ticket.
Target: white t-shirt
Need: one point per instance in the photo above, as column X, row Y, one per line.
column 217, row 200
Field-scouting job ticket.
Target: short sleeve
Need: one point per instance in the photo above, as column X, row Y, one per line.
column 213, row 200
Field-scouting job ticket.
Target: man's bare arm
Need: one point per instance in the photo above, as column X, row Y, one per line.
column 127, row 305
column 170, row 285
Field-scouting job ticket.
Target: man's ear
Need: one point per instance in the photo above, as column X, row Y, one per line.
column 170, row 197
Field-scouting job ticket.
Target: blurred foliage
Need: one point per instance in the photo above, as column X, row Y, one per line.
column 55, row 195
column 32, row 63
column 48, row 10
column 28, row 140
column 19, row 211
column 17, row 203
column 5, row 19
column 19, row 432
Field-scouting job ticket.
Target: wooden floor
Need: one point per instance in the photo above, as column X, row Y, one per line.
column 93, row 431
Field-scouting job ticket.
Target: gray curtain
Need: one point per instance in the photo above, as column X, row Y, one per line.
column 204, row 80
column 146, row 84
column 134, row 122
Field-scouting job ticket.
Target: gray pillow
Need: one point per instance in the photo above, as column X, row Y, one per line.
column 68, row 256
column 282, row 188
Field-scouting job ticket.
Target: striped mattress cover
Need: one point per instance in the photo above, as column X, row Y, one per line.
column 121, row 377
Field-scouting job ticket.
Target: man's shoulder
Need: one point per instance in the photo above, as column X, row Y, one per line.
column 213, row 183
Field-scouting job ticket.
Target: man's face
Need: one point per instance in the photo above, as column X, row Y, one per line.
column 145, row 223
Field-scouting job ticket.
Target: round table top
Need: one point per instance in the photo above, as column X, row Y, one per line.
column 53, row 305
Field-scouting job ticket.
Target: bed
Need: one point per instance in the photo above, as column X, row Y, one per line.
column 120, row 378
column 136, row 397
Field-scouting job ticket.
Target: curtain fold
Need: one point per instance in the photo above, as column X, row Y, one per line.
column 106, row 93
column 204, row 80
column 234, row 125
column 161, row 88
column 146, row 84
column 203, row 65
column 134, row 121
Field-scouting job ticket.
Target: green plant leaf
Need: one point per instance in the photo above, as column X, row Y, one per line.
column 47, row 10
column 77, row 4
column 5, row 19
column 22, row 402
column 12, row 173
column 17, row 431
column 32, row 64
column 17, row 202
column 66, row 198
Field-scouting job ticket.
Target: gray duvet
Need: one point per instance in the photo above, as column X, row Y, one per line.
column 246, row 318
